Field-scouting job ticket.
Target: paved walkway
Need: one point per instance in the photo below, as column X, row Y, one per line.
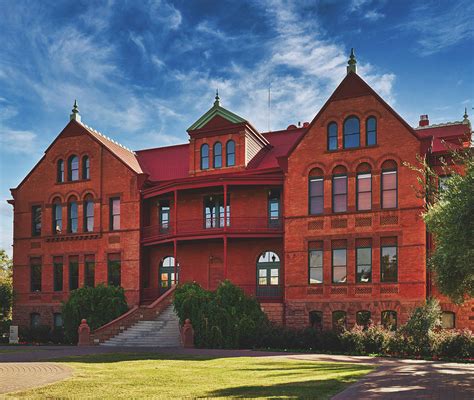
column 393, row 379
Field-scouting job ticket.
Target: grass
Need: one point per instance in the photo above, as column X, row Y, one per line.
column 114, row 376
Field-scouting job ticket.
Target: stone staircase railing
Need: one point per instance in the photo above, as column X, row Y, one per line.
column 131, row 317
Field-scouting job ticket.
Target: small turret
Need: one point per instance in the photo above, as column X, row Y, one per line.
column 75, row 113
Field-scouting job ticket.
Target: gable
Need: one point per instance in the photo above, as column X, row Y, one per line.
column 216, row 112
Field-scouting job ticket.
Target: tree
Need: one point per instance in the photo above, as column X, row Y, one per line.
column 6, row 285
column 449, row 217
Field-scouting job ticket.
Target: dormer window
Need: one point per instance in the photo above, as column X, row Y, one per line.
column 217, row 155
column 205, row 156
column 230, row 153
column 73, row 168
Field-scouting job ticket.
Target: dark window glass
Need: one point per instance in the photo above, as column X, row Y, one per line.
column 114, row 269
column 60, row 171
column 89, row 271
column 351, row 132
column 88, row 214
column 217, row 155
column 73, row 168
column 57, row 217
column 34, row 320
column 339, row 193
column 389, row 320
column 268, row 274
column 339, row 265
column 364, row 264
column 167, row 273
column 214, row 212
column 58, row 320
column 114, row 210
column 363, row 318
column 274, row 208
column 35, row 275
column 36, row 220
column 164, row 216
column 364, row 191
column 205, row 156
column 338, row 320
column 73, row 273
column 316, row 320
column 230, row 153
column 389, row 189
column 58, row 274
column 85, row 167
column 448, row 320
column 371, row 131
column 72, row 216
column 315, row 266
column 316, row 195
column 332, row 136
column 389, row 262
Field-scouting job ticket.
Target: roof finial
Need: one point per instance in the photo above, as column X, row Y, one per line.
column 216, row 103
column 465, row 116
column 75, row 113
column 352, row 62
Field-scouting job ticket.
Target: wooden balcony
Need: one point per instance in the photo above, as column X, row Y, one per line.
column 207, row 227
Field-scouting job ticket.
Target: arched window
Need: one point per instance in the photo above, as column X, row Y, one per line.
column 72, row 215
column 168, row 273
column 338, row 320
column 85, row 167
column 205, row 156
column 34, row 320
column 389, row 320
column 60, row 171
column 316, row 191
column 364, row 187
column 217, row 150
column 363, row 318
column 339, row 189
column 73, row 168
column 448, row 320
column 316, row 320
column 371, row 131
column 268, row 274
column 230, row 153
column 57, row 216
column 332, row 136
column 351, row 133
column 389, row 184
column 88, row 213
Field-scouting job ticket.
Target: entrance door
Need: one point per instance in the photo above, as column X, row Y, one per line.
column 166, row 274
column 268, row 275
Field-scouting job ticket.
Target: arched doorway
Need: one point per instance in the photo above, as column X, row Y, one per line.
column 268, row 275
column 166, row 274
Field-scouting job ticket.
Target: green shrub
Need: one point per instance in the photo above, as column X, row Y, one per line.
column 454, row 344
column 353, row 341
column 6, row 299
column 225, row 318
column 98, row 305
column 376, row 339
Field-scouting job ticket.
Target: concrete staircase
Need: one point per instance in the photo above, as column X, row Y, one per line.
column 160, row 332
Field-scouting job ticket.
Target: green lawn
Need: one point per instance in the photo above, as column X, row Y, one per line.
column 156, row 376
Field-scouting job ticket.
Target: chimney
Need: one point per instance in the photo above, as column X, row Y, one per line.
column 424, row 121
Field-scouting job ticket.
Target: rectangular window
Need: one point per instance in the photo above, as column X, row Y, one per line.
column 315, row 262
column 35, row 274
column 114, row 209
column 89, row 270
column 58, row 274
column 214, row 213
column 316, row 195
column 274, row 208
column 114, row 269
column 364, row 191
column 339, row 262
column 73, row 272
column 36, row 220
column 389, row 189
column 339, row 193
column 363, row 261
column 164, row 216
column 388, row 260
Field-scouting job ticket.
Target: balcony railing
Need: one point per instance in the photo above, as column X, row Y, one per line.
column 211, row 226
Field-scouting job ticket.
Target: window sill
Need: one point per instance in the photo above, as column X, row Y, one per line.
column 373, row 146
column 76, row 181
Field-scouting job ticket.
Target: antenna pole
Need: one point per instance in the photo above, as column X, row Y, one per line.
column 269, row 107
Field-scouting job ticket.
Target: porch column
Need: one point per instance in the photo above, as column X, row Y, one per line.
column 175, row 212
column 225, row 256
column 175, row 250
column 225, row 207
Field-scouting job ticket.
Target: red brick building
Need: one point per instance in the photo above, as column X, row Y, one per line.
column 319, row 222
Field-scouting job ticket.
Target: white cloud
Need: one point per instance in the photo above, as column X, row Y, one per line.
column 18, row 141
column 165, row 12
column 373, row 15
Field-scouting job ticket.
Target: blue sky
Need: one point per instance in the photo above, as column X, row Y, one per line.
column 143, row 71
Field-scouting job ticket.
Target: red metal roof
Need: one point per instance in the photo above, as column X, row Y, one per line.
column 446, row 137
column 171, row 163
